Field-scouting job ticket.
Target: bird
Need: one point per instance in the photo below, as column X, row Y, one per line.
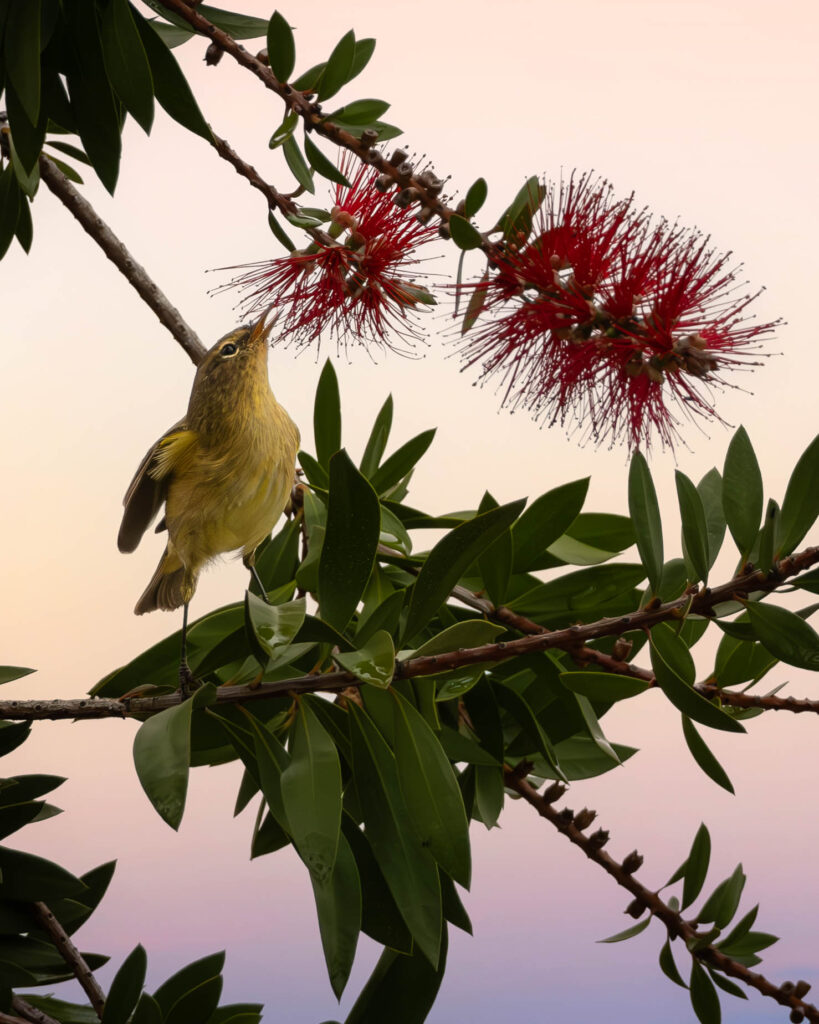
column 224, row 473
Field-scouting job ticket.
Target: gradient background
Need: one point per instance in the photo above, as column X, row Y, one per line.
column 707, row 111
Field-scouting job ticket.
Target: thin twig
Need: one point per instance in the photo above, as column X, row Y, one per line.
column 169, row 316
column 28, row 1013
column 592, row 846
column 72, row 956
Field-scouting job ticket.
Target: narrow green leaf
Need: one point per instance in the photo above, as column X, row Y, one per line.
column 373, row 663
column 520, row 709
column 629, row 933
column 364, row 49
column 477, row 300
column 669, row 967
column 377, row 441
column 285, row 130
column 281, row 47
column 322, row 165
column 704, row 998
column 448, row 560
column 380, row 917
column 489, row 795
column 10, row 199
column 126, row 62
column 360, row 112
column 327, row 415
column 162, row 749
column 126, row 988
column 21, row 53
column 742, row 491
column 603, row 686
column 468, row 633
column 546, row 519
column 703, row 755
column 475, row 197
column 727, row 986
column 464, row 234
column 27, row 877
column 170, row 85
column 431, row 793
column 339, row 67
column 187, row 979
column 800, row 507
column 67, row 170
column 674, row 670
column 26, row 141
column 348, row 553
column 721, row 905
column 279, row 233
column 311, row 792
column 338, row 905
column 710, row 492
column 517, row 218
column 593, row 728
column 298, row 165
column 396, row 467
column 694, row 527
column 460, row 749
column 8, row 673
column 786, row 635
column 309, row 80
column 645, row 514
column 271, row 761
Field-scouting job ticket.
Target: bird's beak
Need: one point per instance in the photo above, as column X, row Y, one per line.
column 261, row 330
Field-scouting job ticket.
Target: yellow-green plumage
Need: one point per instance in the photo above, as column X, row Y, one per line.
column 224, row 471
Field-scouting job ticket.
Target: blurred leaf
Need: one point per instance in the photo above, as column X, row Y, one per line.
column 785, row 635
column 645, row 514
column 694, row 527
column 432, row 796
column 279, row 233
column 401, row 989
column 19, row 788
column 322, row 165
column 742, row 491
column 669, row 967
column 377, row 441
column 186, row 980
column 67, row 1013
column 10, row 199
column 162, row 749
column 407, row 866
column 807, row 581
column 12, row 734
column 281, row 47
column 170, row 85
column 704, row 998
column 674, row 670
column 475, row 197
column 603, row 686
column 8, row 673
column 338, row 905
column 464, row 234
column 544, row 521
column 727, row 986
column 25, row 142
column 26, row 877
column 22, row 54
column 339, row 67
column 629, row 933
column 448, row 560
column 396, row 467
column 373, row 663
column 477, row 300
column 125, row 988
column 740, row 929
column 240, row 26
column 294, row 158
column 311, row 792
column 348, row 553
column 703, row 756
column 517, row 218
column 126, row 62
column 460, row 748
column 721, row 905
column 800, row 507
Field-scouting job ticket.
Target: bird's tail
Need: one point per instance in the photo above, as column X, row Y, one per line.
column 170, row 586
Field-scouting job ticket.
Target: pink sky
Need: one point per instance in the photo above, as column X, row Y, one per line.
column 707, row 111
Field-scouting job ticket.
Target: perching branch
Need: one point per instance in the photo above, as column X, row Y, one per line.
column 169, row 316
column 572, row 825
column 72, row 956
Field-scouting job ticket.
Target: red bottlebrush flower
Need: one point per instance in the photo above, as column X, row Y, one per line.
column 351, row 282
column 603, row 320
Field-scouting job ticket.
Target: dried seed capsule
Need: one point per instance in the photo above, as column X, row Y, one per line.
column 584, row 818
column 369, row 137
column 406, row 197
column 444, row 232
column 567, row 815
column 213, row 55
column 801, row 989
column 599, row 838
column 384, row 183
column 554, row 792
column 636, row 907
column 398, row 157
column 425, row 215
column 633, row 862
column 405, row 170
column 796, row 1017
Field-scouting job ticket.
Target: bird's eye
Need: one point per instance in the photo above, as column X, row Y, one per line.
column 228, row 350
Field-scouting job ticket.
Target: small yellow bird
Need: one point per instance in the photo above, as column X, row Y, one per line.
column 224, row 472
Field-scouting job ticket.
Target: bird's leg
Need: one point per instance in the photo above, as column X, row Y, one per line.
column 249, row 562
column 187, row 682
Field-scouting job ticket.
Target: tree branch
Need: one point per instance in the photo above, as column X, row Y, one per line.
column 168, row 315
column 72, row 956
column 571, row 826
column 28, row 1014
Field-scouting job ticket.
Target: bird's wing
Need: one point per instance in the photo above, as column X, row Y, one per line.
column 148, row 489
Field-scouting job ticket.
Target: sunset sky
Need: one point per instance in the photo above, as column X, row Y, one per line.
column 706, row 110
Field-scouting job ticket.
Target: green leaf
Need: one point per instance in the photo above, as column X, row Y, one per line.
column 270, row 628
column 546, row 519
column 309, row 80
column 272, row 760
column 581, row 758
column 464, row 234
column 21, row 54
column 431, row 793
column 517, row 218
column 727, row 986
column 26, row 877
column 668, row 966
column 374, row 662
column 460, row 748
column 279, row 233
column 703, row 756
column 8, row 673
column 449, row 559
column 785, row 635
column 327, row 415
column 396, row 467
column 10, row 199
column 380, row 917
column 162, row 749
column 475, row 197
column 521, row 711
column 339, row 67
column 694, row 527
column 587, row 592
column 25, row 142
column 704, row 998
column 629, row 933
column 311, row 792
column 468, row 633
column 742, row 491
column 281, row 47
column 125, row 988
column 338, row 905
column 377, row 441
column 67, row 170
column 298, row 165
column 360, row 112
column 407, row 866
column 645, row 514
column 364, row 49
column 126, row 62
column 170, row 85
column 285, row 131
column 603, row 687
column 474, row 308
column 401, row 989
column 721, row 905
column 348, row 553
column 800, row 507
column 322, row 165
column 20, row 788
column 674, row 669
column 69, row 1013
column 189, row 978
column 740, row 929
column 710, row 492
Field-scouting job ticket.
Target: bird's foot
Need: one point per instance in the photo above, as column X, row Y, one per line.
column 187, row 681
